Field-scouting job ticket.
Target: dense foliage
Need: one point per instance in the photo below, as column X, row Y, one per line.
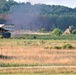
column 56, row 32
column 42, row 16
column 47, row 16
column 44, row 9
column 5, row 7
column 74, row 31
column 68, row 46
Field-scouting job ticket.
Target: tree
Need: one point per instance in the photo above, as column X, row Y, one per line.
column 56, row 32
column 74, row 31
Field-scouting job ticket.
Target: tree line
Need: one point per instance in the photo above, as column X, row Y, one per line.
column 5, row 8
column 44, row 16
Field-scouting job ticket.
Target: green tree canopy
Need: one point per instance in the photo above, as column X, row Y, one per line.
column 56, row 32
column 74, row 31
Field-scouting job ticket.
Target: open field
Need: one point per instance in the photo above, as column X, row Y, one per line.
column 39, row 71
column 37, row 74
column 36, row 52
column 22, row 52
column 44, row 36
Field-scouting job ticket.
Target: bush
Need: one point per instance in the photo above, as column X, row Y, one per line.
column 42, row 30
column 74, row 31
column 46, row 47
column 57, row 47
column 42, row 42
column 34, row 37
column 68, row 46
column 56, row 31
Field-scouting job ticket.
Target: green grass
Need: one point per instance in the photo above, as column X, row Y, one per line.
column 21, row 65
column 25, row 42
column 30, row 40
column 46, row 37
column 27, row 65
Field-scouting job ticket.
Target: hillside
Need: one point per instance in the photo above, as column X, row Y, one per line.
column 26, row 16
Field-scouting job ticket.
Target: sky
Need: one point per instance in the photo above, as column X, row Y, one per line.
column 68, row 3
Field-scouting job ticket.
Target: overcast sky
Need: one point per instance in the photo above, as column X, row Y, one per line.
column 69, row 3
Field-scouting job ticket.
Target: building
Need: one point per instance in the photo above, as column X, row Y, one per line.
column 4, row 30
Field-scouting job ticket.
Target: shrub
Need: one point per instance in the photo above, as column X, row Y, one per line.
column 42, row 30
column 74, row 31
column 68, row 46
column 57, row 47
column 46, row 47
column 56, row 31
column 42, row 42
column 34, row 37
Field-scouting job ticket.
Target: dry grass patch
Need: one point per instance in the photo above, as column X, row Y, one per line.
column 44, row 71
column 33, row 55
column 36, row 52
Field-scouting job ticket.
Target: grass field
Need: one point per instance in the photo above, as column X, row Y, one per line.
column 37, row 74
column 39, row 51
column 41, row 71
column 46, row 37
column 36, row 53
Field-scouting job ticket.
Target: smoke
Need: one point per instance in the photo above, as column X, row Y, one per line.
column 25, row 18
